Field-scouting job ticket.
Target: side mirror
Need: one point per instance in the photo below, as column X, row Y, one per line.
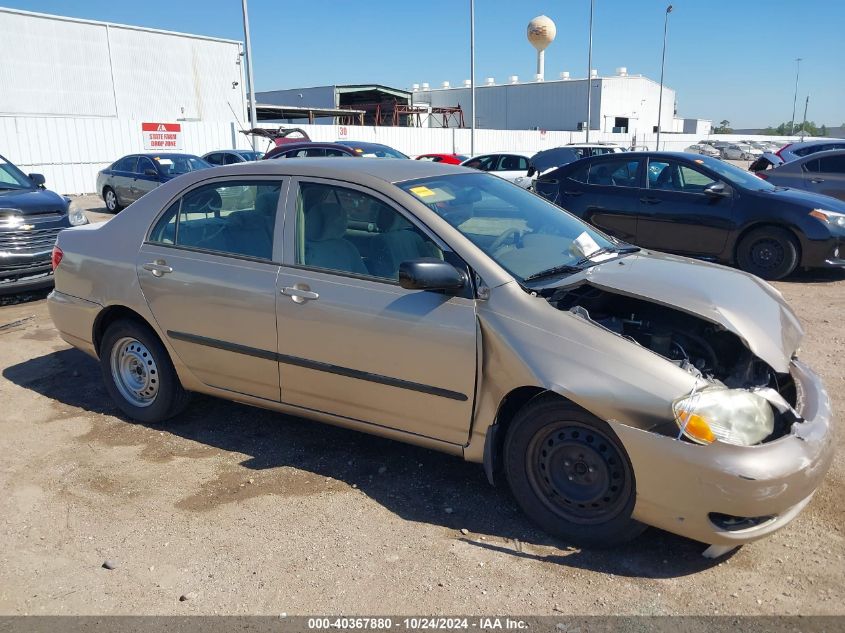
column 37, row 179
column 150, row 172
column 717, row 190
column 429, row 273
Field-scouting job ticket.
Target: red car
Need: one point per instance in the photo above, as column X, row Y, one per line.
column 451, row 159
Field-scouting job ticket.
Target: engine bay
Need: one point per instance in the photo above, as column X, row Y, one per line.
column 696, row 345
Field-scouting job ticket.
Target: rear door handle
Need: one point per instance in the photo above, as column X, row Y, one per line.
column 158, row 268
column 572, row 193
column 300, row 293
column 816, row 181
column 650, row 200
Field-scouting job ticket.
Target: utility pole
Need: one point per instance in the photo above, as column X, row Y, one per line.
column 804, row 124
column 795, row 98
column 253, row 119
column 662, row 68
column 471, row 76
column 590, row 72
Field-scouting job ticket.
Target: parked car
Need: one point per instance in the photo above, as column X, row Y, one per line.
column 821, row 172
column 309, row 149
column 372, row 150
column 740, row 151
column 231, row 156
column 30, row 218
column 611, row 387
column 701, row 148
column 128, row 178
column 512, row 166
column 449, row 159
column 793, row 151
column 702, row 207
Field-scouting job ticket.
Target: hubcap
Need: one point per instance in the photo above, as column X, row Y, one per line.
column 578, row 473
column 134, row 372
column 111, row 200
column 767, row 254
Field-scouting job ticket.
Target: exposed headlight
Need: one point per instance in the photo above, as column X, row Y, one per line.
column 734, row 416
column 829, row 217
column 76, row 215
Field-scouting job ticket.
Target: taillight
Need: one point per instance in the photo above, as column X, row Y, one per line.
column 777, row 153
column 761, row 174
column 56, row 257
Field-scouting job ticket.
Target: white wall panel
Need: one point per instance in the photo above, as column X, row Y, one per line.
column 70, row 150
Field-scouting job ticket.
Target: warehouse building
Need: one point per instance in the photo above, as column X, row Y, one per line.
column 621, row 103
column 59, row 66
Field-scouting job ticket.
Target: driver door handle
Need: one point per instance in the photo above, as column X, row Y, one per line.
column 816, row 181
column 158, row 268
column 572, row 193
column 650, row 200
column 300, row 294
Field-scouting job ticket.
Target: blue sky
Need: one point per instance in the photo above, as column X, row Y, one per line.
column 727, row 59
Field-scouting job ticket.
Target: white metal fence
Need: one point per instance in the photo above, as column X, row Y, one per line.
column 69, row 151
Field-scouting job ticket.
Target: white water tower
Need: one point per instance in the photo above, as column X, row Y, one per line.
column 541, row 33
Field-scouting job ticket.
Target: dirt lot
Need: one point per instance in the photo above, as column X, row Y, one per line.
column 240, row 510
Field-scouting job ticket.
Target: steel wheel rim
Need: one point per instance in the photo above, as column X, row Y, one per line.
column 767, row 254
column 134, row 372
column 578, row 473
column 111, row 200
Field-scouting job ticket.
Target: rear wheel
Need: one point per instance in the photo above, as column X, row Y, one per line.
column 769, row 252
column 570, row 474
column 138, row 373
column 110, row 198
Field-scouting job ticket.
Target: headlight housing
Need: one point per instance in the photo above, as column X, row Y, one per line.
column 829, row 217
column 734, row 416
column 76, row 214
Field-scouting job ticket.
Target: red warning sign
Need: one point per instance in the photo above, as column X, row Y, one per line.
column 162, row 136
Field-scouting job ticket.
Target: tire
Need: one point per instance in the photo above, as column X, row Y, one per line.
column 769, row 252
column 110, row 198
column 571, row 474
column 138, row 373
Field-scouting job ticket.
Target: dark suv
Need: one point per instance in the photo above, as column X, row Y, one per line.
column 30, row 218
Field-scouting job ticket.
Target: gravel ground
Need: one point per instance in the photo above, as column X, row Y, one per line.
column 239, row 510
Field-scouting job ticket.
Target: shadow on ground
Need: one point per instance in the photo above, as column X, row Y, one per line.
column 418, row 484
column 816, row 276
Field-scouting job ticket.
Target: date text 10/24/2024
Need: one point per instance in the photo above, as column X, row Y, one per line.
column 416, row 623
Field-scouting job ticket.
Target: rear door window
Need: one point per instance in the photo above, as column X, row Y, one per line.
column 832, row 164
column 230, row 217
column 214, row 159
column 614, row 173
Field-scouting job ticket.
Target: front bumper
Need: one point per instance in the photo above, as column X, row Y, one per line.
column 680, row 485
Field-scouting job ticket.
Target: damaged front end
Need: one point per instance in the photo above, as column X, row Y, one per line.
column 737, row 397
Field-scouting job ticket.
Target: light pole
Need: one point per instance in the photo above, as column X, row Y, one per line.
column 253, row 120
column 804, row 124
column 662, row 68
column 472, row 76
column 590, row 72
column 795, row 98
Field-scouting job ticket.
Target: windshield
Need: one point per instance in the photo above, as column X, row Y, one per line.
column 735, row 175
column 13, row 178
column 175, row 165
column 523, row 233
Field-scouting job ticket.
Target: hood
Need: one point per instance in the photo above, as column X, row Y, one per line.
column 741, row 303
column 31, row 201
column 806, row 200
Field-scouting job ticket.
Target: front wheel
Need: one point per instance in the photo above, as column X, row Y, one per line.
column 138, row 373
column 571, row 474
column 110, row 198
column 769, row 252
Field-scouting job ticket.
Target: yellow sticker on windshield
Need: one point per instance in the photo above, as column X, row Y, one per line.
column 422, row 192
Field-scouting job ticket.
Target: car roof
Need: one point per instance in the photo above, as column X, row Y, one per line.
column 159, row 154
column 391, row 171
